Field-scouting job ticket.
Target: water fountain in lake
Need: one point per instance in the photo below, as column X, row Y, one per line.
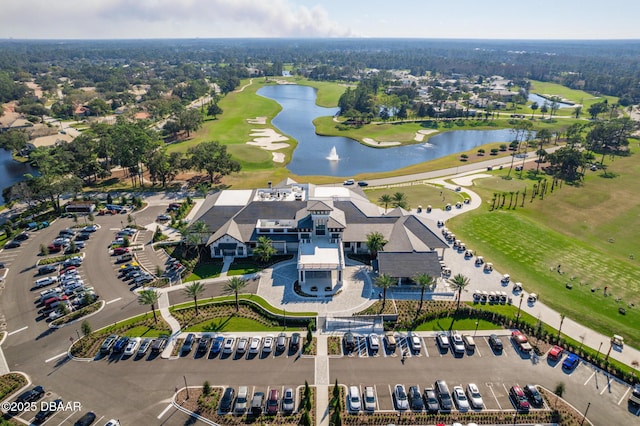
column 333, row 155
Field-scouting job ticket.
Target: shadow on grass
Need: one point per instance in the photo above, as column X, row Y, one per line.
column 214, row 326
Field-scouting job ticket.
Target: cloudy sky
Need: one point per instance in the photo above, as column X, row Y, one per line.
column 488, row 19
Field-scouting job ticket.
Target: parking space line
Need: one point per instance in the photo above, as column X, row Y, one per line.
column 608, row 386
column 590, row 377
column 424, row 344
column 375, row 393
column 98, row 421
column 18, row 330
column 55, row 357
column 391, row 396
column 490, row 386
column 624, row 396
column 113, row 300
column 477, row 350
column 62, row 422
column 167, row 408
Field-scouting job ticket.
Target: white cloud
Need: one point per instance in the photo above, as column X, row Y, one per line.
column 166, row 19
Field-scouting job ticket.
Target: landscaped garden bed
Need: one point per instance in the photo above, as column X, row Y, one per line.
column 82, row 312
column 11, row 382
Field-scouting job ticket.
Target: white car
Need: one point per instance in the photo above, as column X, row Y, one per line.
column 374, row 342
column 443, row 340
column 473, row 393
column 254, row 345
column 43, row 282
column 369, row 399
column 132, row 346
column 354, row 399
column 288, row 401
column 460, row 398
column 242, row 345
column 457, row 343
column 400, row 397
column 414, row 342
column 267, row 346
column 227, row 347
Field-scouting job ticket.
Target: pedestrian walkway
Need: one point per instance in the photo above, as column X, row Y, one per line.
column 322, row 380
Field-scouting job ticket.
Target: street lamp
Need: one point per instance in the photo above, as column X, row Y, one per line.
column 599, row 347
column 585, row 414
column 476, row 330
column 519, row 307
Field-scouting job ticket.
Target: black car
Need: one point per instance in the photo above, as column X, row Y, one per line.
column 108, row 343
column 121, row 344
column 415, row 399
column 188, row 343
column 294, row 343
column 349, row 342
column 534, row 395
column 203, row 344
column 495, row 343
column 83, row 236
column 159, row 344
column 31, row 395
column 431, row 400
column 47, row 269
column 12, row 244
column 48, row 410
column 363, row 183
column 86, row 420
column 227, row 399
column 22, row 236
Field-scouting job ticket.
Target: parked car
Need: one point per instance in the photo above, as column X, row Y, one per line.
column 415, row 398
column 369, row 398
column 431, row 400
column 254, row 345
column 363, row 183
column 535, row 398
column 460, row 398
column 12, row 244
column 132, row 346
column 444, row 397
column 108, row 343
column 374, row 342
column 443, row 340
column 495, row 343
column 518, row 398
column 86, row 420
column 281, row 342
column 353, row 399
column 31, row 395
column 44, row 282
column 229, row 343
column 349, row 182
column 288, row 400
column 227, row 399
column 272, row 402
column 241, row 400
column 267, row 346
column 257, row 403
column 243, row 342
column 414, row 342
column 90, row 228
column 159, row 344
column 555, row 353
column 21, row 236
column 203, row 344
column 47, row 269
column 120, row 250
column 294, row 342
column 83, row 236
column 521, row 341
column 349, row 341
column 400, row 397
column 390, row 341
column 216, row 345
column 47, row 410
column 475, row 398
column 121, row 344
column 144, row 346
column 570, row 362
column 188, row 343
column 469, row 342
column 457, row 343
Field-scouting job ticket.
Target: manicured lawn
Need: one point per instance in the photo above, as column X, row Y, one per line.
column 241, row 268
column 418, row 194
column 576, row 96
column 591, row 231
column 253, row 297
column 206, row 270
column 446, row 324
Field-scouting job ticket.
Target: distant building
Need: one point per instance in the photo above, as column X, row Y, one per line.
column 80, row 207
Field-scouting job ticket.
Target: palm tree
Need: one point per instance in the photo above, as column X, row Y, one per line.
column 234, row 285
column 375, row 243
column 459, row 282
column 193, row 234
column 534, row 107
column 424, row 281
column 386, row 200
column 384, row 281
column 264, row 249
column 194, row 290
column 400, row 200
column 149, row 297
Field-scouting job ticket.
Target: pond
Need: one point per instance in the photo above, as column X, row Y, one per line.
column 541, row 100
column 12, row 171
column 315, row 155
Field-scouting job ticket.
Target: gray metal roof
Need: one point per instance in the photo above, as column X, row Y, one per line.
column 402, row 264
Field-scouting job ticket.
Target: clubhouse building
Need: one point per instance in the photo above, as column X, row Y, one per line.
column 320, row 225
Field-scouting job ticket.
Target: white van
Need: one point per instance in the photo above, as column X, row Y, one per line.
column 241, row 399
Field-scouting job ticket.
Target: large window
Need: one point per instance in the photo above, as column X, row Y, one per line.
column 320, row 229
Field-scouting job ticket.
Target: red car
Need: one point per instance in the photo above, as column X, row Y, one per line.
column 54, row 248
column 120, row 250
column 555, row 353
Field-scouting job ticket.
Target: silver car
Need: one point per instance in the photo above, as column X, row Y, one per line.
column 227, row 347
column 400, row 397
column 473, row 393
column 460, row 398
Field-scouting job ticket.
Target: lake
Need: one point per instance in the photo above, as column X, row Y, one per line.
column 540, row 100
column 310, row 157
column 12, row 171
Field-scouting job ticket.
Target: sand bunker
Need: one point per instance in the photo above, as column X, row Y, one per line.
column 373, row 142
column 257, row 120
column 268, row 139
column 420, row 134
column 278, row 157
